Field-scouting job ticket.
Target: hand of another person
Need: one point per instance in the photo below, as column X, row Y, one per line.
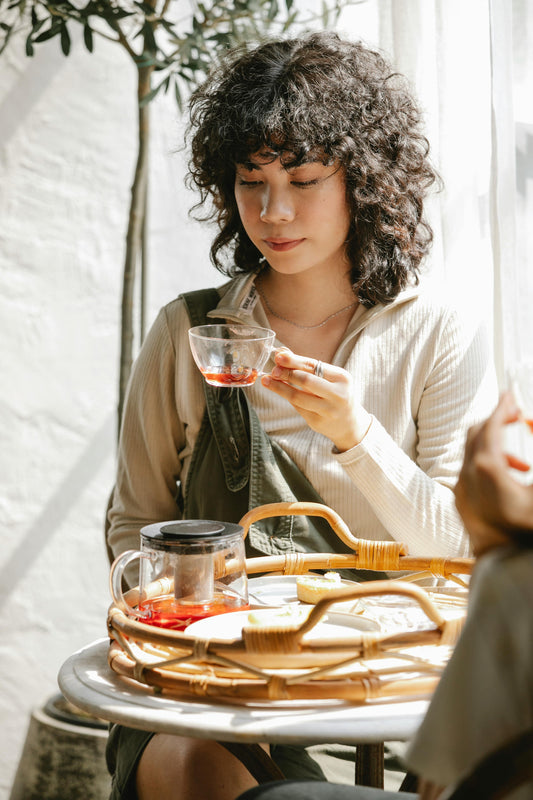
column 326, row 401
column 494, row 506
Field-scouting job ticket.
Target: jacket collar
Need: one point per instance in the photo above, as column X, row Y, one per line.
column 239, row 299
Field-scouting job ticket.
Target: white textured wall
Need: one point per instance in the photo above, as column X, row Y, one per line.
column 67, row 144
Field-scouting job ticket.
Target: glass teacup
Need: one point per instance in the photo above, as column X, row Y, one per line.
column 232, row 354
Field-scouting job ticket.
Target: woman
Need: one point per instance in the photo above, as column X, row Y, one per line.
column 311, row 154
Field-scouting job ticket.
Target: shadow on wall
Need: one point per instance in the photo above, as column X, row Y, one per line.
column 28, row 89
column 57, row 508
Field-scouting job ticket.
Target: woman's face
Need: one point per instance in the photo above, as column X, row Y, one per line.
column 297, row 217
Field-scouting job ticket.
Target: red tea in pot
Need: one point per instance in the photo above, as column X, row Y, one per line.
column 166, row 612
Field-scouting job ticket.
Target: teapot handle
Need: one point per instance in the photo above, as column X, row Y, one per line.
column 115, row 579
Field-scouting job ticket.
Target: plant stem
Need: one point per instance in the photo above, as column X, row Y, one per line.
column 134, row 234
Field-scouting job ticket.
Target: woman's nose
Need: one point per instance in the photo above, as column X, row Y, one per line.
column 276, row 206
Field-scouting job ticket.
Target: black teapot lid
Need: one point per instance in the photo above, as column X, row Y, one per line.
column 189, row 531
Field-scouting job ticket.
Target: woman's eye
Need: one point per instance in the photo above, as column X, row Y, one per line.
column 242, row 182
column 303, row 184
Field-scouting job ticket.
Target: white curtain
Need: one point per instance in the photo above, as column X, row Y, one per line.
column 470, row 66
column 522, row 274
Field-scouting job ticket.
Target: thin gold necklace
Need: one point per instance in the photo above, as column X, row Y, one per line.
column 297, row 324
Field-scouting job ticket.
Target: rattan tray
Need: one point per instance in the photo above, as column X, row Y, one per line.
column 289, row 663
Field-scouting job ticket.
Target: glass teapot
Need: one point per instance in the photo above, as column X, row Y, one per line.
column 188, row 570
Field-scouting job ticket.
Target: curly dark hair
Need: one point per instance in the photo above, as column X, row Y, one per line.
column 318, row 94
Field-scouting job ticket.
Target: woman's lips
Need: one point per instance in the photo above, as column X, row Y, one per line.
column 281, row 245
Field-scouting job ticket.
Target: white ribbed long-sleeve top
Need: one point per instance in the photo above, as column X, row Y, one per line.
column 424, row 374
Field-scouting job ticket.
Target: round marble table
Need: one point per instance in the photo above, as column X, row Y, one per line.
column 89, row 683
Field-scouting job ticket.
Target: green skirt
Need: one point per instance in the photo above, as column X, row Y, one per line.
column 125, row 747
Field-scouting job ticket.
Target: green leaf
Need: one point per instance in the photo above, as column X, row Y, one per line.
column 149, row 38
column 88, row 37
column 167, row 25
column 52, row 31
column 108, row 13
column 273, row 10
column 65, row 39
column 29, row 47
column 177, row 95
column 221, row 39
column 145, row 8
column 290, row 21
column 38, row 25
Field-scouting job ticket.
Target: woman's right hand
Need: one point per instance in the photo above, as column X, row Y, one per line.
column 324, row 397
column 494, row 506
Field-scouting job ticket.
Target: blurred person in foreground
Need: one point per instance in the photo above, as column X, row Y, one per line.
column 485, row 696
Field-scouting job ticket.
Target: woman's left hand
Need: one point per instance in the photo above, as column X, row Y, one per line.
column 323, row 394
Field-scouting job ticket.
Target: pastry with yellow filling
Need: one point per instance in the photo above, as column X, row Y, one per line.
column 312, row 588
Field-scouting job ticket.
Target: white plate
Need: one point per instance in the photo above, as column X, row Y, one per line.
column 277, row 590
column 273, row 590
column 229, row 626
